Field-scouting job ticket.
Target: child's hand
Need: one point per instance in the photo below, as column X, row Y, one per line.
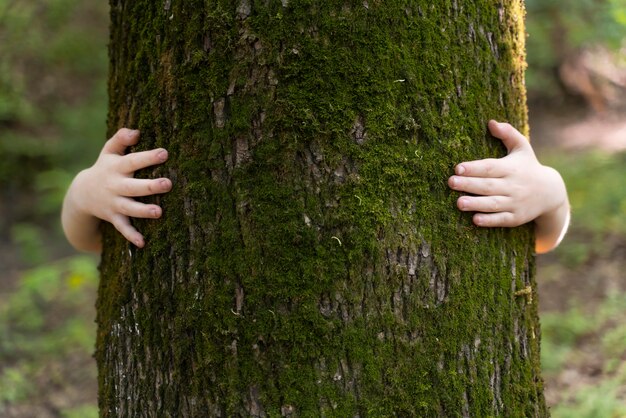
column 513, row 190
column 105, row 191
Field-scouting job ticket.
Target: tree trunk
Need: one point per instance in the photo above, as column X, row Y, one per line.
column 311, row 260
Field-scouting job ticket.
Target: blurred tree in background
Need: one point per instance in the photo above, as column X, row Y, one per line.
column 53, row 64
column 560, row 30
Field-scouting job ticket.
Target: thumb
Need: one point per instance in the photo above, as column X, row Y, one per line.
column 120, row 141
column 511, row 137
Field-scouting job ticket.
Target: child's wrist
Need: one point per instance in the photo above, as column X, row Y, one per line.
column 552, row 224
column 78, row 195
column 551, row 227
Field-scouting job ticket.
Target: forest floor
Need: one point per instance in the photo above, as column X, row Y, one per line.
column 46, row 336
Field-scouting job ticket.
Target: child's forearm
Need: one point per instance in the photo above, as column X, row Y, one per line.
column 81, row 228
column 550, row 228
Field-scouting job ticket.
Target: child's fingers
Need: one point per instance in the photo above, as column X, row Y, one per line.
column 120, row 141
column 484, row 203
column 132, row 187
column 511, row 137
column 478, row 185
column 138, row 160
column 134, row 209
column 499, row 219
column 122, row 224
column 489, row 167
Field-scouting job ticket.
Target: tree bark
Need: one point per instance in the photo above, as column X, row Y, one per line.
column 311, row 260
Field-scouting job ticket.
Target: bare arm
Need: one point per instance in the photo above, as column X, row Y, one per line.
column 514, row 190
column 105, row 191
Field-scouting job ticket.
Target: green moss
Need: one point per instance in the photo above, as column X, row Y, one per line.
column 311, row 253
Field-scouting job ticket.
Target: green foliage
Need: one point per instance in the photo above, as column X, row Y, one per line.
column 46, row 48
column 602, row 400
column 28, row 238
column 560, row 334
column 595, row 183
column 48, row 319
column 14, row 386
column 598, row 198
column 63, row 285
column 613, row 341
column 52, row 98
column 563, row 332
column 558, row 27
column 51, row 185
column 83, row 411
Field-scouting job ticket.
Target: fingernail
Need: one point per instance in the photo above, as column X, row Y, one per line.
column 154, row 212
column 162, row 155
column 453, row 181
column 462, row 204
column 133, row 133
column 460, row 169
column 138, row 243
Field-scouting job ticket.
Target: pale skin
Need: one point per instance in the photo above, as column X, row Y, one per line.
column 105, row 191
column 506, row 192
column 514, row 190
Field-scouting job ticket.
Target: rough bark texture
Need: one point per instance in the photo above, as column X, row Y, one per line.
column 311, row 260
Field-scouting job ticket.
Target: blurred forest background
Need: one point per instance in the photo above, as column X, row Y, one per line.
column 53, row 65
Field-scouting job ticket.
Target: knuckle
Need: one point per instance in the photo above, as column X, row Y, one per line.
column 109, row 143
column 511, row 220
column 495, row 204
column 123, row 206
column 118, row 136
column 489, row 187
column 146, row 211
column 117, row 223
column 488, row 167
column 109, row 186
column 132, row 160
column 126, row 189
column 106, row 215
column 519, row 190
column 120, row 206
column 490, row 220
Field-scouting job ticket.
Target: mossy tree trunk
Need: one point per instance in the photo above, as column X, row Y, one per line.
column 311, row 260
